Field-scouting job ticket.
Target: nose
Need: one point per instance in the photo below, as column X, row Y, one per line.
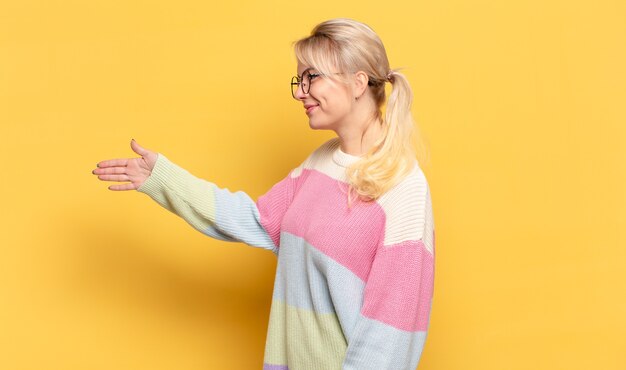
column 299, row 93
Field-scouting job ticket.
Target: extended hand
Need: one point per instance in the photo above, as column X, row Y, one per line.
column 134, row 171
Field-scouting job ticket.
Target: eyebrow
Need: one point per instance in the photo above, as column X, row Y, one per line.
column 308, row 69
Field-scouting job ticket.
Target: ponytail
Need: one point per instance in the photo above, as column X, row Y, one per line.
column 392, row 157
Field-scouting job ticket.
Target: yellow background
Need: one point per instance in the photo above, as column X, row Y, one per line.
column 522, row 105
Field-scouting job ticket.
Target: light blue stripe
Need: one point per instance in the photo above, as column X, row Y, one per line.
column 275, row 367
column 380, row 346
column 304, row 275
column 237, row 219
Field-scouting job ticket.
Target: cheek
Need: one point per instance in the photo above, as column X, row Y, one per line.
column 333, row 100
column 339, row 105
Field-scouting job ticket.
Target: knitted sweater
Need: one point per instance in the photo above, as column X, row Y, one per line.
column 353, row 286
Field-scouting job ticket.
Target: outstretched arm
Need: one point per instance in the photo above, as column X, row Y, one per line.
column 216, row 212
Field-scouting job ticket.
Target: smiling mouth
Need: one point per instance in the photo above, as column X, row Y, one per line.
column 310, row 109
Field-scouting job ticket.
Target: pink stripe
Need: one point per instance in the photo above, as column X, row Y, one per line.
column 320, row 215
column 400, row 287
column 273, row 205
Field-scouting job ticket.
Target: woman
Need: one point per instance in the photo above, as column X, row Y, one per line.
column 352, row 225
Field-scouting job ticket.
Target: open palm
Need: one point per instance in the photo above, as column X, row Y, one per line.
column 132, row 171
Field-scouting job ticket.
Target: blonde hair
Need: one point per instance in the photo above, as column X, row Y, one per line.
column 349, row 45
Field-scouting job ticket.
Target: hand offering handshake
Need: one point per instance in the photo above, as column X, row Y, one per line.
column 133, row 171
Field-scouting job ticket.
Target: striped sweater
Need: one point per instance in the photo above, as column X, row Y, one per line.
column 353, row 285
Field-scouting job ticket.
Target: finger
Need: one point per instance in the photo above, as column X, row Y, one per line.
column 118, row 178
column 138, row 148
column 109, row 171
column 113, row 163
column 122, row 187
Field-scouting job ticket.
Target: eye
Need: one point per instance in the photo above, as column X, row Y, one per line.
column 312, row 76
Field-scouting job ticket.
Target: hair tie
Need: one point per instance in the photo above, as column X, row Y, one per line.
column 389, row 75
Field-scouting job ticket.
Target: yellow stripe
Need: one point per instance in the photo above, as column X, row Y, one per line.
column 304, row 339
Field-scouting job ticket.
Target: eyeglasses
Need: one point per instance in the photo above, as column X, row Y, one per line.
column 303, row 81
column 307, row 77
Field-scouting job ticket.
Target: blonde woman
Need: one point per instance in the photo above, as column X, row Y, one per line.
column 352, row 226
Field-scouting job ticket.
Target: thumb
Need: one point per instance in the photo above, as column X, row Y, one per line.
column 138, row 148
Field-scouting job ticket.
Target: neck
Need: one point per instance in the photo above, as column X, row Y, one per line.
column 359, row 140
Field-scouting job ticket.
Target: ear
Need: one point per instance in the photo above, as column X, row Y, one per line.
column 360, row 83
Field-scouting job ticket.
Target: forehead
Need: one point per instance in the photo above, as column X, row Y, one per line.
column 302, row 68
column 324, row 68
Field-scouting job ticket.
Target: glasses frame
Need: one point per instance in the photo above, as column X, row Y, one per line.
column 297, row 82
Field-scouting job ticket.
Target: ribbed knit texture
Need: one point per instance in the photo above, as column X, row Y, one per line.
column 353, row 286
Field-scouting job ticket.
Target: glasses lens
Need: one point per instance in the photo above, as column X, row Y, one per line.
column 306, row 82
column 294, row 86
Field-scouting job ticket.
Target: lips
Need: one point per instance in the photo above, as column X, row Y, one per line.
column 309, row 107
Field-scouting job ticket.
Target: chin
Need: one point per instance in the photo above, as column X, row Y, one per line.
column 313, row 126
column 317, row 125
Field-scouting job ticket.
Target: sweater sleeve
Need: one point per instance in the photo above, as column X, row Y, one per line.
column 217, row 212
column 391, row 329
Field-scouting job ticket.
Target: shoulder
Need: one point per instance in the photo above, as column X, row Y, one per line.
column 412, row 189
column 408, row 209
column 319, row 159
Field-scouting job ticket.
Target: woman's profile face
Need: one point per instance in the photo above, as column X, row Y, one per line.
column 328, row 103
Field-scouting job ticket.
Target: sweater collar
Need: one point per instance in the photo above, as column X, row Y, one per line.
column 343, row 159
